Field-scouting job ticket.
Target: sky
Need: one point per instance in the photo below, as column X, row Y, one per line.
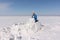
column 25, row 7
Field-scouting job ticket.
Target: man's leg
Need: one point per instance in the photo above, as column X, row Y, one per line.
column 36, row 20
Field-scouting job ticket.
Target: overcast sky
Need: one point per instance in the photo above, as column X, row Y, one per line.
column 25, row 7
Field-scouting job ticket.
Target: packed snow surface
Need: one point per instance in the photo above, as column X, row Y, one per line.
column 24, row 28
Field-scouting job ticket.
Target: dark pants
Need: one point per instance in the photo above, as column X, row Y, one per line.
column 36, row 20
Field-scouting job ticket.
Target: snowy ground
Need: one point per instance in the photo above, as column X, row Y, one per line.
column 24, row 28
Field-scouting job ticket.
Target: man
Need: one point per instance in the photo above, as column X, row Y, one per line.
column 34, row 16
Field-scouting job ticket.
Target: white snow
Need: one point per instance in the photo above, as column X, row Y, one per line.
column 24, row 28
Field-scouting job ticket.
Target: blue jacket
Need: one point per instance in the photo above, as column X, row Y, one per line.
column 35, row 16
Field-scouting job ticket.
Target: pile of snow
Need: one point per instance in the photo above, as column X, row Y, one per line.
column 30, row 30
column 19, row 30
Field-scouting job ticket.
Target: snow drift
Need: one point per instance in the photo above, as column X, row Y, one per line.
column 16, row 31
column 30, row 30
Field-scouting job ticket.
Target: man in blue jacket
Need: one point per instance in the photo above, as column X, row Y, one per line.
column 35, row 17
